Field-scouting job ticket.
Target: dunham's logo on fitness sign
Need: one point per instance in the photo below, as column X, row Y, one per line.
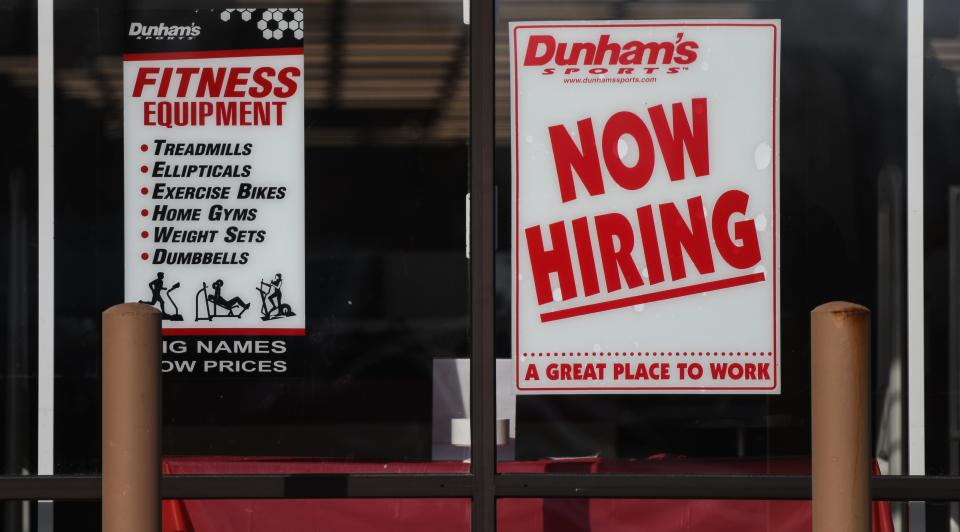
column 162, row 31
column 645, row 208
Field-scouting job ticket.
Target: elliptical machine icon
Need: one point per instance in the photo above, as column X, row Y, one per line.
column 157, row 292
column 272, row 306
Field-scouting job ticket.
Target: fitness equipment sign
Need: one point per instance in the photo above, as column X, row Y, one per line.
column 214, row 181
column 645, row 212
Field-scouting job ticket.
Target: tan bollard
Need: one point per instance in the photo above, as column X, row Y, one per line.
column 131, row 418
column 840, row 392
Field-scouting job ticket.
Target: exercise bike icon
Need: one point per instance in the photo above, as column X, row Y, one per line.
column 209, row 306
column 272, row 306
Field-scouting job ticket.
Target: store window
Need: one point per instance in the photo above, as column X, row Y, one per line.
column 385, row 180
column 405, row 365
column 842, row 160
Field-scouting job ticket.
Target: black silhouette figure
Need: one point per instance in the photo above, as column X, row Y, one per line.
column 276, row 297
column 272, row 306
column 210, row 306
column 156, row 292
column 219, row 300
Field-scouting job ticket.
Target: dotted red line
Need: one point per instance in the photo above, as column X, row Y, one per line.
column 650, row 354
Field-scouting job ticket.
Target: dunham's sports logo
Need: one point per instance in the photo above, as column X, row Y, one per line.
column 604, row 56
column 163, row 32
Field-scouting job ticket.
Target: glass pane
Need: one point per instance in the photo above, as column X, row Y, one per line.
column 651, row 515
column 385, row 92
column 842, row 237
column 18, row 258
column 941, row 221
column 289, row 515
column 941, row 192
column 18, row 516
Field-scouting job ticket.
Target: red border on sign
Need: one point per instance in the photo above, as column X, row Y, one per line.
column 212, row 54
column 215, row 331
column 516, row 256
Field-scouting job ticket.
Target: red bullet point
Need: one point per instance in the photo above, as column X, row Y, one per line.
column 144, row 212
column 144, row 234
column 144, row 191
column 144, row 169
column 143, row 147
column 144, row 256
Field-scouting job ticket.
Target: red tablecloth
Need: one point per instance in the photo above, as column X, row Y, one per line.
column 513, row 515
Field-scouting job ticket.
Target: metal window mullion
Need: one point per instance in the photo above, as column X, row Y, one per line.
column 916, row 429
column 45, row 237
column 482, row 360
column 453, row 486
column 45, row 253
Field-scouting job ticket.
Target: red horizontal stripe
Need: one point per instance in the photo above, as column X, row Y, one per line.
column 652, row 296
column 252, row 331
column 212, row 54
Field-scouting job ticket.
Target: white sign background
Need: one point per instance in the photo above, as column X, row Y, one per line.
column 277, row 159
column 736, row 70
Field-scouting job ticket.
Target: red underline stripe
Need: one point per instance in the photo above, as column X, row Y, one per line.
column 210, row 331
column 653, row 296
column 211, row 54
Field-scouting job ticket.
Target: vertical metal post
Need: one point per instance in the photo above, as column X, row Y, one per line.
column 482, row 361
column 131, row 418
column 840, row 382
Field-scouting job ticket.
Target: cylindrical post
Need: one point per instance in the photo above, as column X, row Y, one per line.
column 840, row 379
column 131, row 418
